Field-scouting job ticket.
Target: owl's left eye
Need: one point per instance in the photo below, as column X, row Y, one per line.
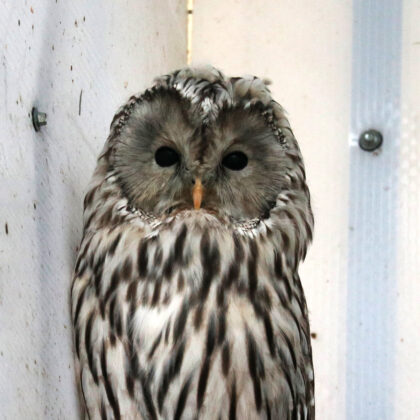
column 235, row 161
column 165, row 156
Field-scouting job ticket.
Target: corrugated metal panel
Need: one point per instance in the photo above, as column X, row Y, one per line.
column 77, row 61
column 373, row 199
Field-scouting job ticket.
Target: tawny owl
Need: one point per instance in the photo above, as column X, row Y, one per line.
column 186, row 300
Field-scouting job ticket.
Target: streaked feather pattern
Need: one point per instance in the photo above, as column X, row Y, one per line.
column 194, row 315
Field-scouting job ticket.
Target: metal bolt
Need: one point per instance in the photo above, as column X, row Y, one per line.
column 370, row 140
column 38, row 119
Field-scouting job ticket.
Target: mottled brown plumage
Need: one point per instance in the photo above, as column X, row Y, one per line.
column 186, row 313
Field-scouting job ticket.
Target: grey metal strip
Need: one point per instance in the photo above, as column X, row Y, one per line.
column 373, row 195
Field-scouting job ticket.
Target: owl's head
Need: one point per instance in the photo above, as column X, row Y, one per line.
column 199, row 140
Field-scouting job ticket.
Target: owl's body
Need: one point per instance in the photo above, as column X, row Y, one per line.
column 195, row 313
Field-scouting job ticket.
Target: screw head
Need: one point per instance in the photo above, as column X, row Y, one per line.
column 370, row 140
column 38, row 119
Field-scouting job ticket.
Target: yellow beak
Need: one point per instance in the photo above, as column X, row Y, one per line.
column 197, row 193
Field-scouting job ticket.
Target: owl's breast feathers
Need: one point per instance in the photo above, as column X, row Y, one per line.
column 191, row 317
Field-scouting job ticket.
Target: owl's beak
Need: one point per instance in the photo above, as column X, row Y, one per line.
column 197, row 193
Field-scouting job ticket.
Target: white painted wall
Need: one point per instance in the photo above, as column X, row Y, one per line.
column 50, row 52
column 305, row 48
column 407, row 361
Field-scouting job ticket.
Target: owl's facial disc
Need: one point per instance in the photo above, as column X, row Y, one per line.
column 237, row 163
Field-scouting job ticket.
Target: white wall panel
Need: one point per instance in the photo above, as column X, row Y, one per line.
column 305, row 48
column 51, row 51
column 407, row 339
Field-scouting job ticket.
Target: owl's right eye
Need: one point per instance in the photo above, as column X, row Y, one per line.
column 165, row 156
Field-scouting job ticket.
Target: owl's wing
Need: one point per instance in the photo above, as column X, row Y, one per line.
column 100, row 304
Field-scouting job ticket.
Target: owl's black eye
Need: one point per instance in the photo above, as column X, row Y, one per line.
column 165, row 156
column 235, row 161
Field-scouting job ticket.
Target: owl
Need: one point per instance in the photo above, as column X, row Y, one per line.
column 186, row 299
